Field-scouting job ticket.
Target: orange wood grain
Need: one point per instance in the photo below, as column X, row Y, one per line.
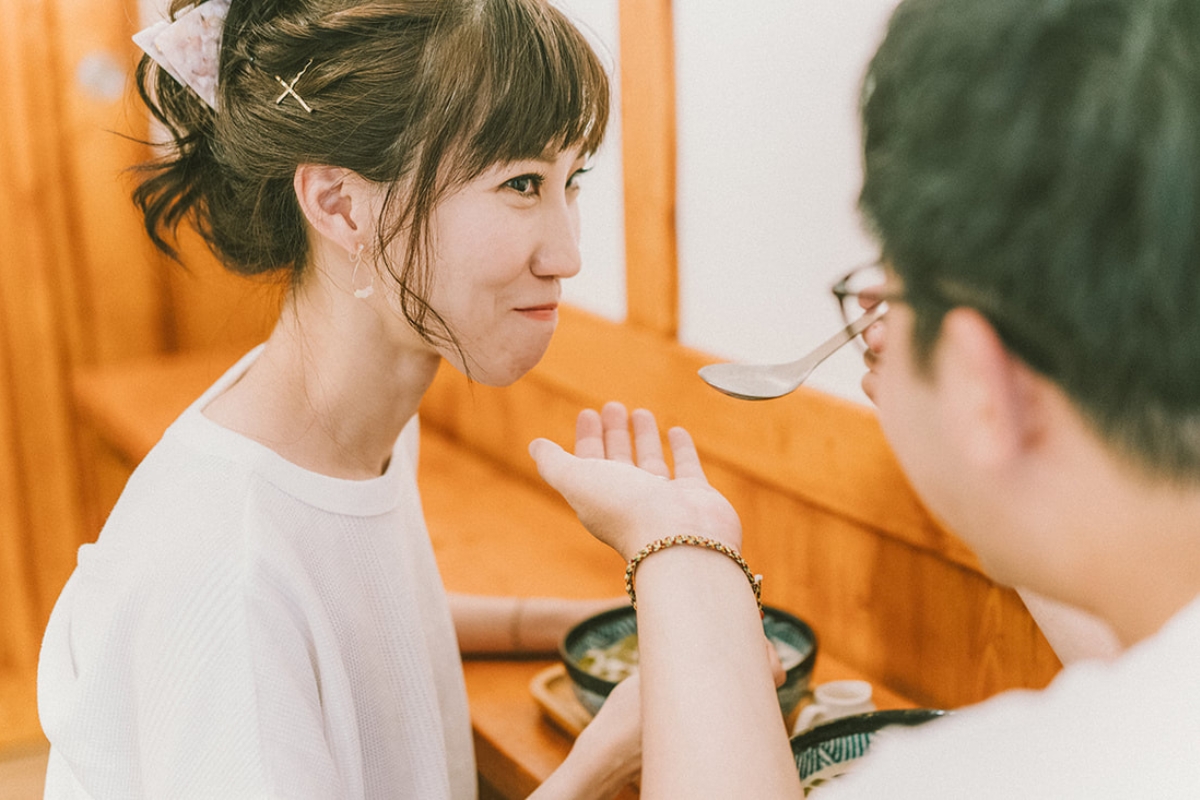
column 114, row 284
column 828, row 451
column 822, row 500
column 40, row 332
column 18, row 641
column 509, row 539
column 499, row 540
column 647, row 64
column 132, row 402
column 214, row 309
column 19, row 726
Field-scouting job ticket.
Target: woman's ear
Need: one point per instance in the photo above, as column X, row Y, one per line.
column 337, row 203
column 991, row 398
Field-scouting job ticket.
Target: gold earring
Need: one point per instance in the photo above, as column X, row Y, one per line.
column 362, row 292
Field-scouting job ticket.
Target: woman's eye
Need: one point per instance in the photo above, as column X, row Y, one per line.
column 573, row 183
column 527, row 185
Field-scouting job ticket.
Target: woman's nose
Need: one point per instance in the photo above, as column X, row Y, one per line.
column 558, row 253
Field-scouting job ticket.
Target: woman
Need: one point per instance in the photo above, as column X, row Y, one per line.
column 262, row 615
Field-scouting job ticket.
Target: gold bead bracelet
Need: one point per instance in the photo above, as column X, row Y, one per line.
column 695, row 541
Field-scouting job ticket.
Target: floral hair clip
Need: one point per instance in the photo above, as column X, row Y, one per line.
column 189, row 47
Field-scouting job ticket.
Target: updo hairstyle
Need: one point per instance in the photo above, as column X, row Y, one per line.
column 419, row 96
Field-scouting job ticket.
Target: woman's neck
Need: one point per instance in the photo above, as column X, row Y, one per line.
column 337, row 381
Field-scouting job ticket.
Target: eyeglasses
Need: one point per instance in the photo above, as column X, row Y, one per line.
column 861, row 290
column 865, row 289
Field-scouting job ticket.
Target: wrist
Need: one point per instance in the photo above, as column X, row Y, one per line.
column 687, row 540
column 728, row 536
column 607, row 761
column 594, row 769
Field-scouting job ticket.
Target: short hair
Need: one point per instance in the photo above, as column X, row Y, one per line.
column 424, row 94
column 1039, row 160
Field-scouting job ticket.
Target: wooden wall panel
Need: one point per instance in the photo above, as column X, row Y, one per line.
column 822, row 501
column 647, row 77
column 806, row 444
column 76, row 285
column 36, row 240
column 937, row 632
column 119, row 291
column 17, row 636
column 213, row 308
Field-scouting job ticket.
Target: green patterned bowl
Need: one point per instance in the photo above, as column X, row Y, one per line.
column 792, row 636
column 829, row 750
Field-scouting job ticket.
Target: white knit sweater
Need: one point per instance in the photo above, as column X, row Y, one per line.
column 244, row 628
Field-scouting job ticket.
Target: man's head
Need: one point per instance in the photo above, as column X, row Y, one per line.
column 1039, row 161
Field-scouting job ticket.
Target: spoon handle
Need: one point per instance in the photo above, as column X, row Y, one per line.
column 835, row 342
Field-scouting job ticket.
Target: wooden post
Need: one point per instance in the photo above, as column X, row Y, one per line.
column 647, row 64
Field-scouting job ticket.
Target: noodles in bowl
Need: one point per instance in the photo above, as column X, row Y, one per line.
column 602, row 650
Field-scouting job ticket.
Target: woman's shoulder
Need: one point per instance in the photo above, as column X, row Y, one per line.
column 177, row 497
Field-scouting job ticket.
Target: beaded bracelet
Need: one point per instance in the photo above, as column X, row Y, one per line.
column 696, row 541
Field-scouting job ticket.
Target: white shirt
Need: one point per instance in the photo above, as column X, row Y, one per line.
column 245, row 628
column 1127, row 728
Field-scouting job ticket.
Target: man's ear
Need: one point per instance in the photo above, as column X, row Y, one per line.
column 336, row 202
column 991, row 398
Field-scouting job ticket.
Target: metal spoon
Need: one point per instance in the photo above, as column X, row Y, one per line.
column 766, row 381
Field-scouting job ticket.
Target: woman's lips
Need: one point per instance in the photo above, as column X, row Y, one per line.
column 542, row 313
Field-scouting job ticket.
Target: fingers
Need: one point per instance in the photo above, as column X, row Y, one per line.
column 606, row 435
column 589, row 435
column 551, row 461
column 546, row 454
column 618, row 446
column 683, row 450
column 777, row 671
column 648, row 443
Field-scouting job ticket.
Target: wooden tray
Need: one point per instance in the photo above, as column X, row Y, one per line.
column 552, row 689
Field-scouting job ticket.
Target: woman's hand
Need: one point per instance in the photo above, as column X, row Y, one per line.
column 607, row 755
column 617, row 730
column 620, row 486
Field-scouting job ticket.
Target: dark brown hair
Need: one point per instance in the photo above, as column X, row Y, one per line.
column 1039, row 162
column 418, row 95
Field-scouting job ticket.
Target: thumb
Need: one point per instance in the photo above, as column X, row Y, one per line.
column 561, row 470
column 551, row 460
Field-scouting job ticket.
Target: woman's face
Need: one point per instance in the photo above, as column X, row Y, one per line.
column 502, row 243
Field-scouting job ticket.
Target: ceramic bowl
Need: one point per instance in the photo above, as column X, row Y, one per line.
column 793, row 636
column 829, row 750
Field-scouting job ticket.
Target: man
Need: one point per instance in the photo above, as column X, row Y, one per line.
column 1032, row 172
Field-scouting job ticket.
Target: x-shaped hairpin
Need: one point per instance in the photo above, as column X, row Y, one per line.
column 290, row 88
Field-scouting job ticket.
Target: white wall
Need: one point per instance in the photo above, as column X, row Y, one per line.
column 769, row 171
column 600, row 285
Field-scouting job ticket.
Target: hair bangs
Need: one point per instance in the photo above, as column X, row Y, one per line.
column 542, row 89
